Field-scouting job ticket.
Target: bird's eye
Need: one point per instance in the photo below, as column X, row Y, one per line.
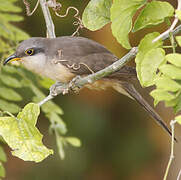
column 29, row 52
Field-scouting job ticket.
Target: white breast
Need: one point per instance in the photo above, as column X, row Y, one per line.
column 41, row 66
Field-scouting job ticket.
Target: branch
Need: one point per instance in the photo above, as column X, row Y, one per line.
column 48, row 19
column 172, row 124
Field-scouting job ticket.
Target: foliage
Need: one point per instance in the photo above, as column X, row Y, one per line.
column 153, row 66
column 97, row 14
column 14, row 81
column 22, row 136
column 121, row 15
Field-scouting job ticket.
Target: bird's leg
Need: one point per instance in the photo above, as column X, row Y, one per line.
column 62, row 88
column 73, row 86
column 58, row 88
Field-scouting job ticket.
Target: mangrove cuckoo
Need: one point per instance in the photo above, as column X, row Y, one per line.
column 63, row 58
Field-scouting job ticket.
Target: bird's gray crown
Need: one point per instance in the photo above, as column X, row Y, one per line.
column 35, row 43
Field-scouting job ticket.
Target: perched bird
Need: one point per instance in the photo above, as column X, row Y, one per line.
column 63, row 58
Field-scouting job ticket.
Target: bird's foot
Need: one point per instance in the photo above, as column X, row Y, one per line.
column 73, row 85
column 58, row 88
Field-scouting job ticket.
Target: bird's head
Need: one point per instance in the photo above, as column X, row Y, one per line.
column 30, row 52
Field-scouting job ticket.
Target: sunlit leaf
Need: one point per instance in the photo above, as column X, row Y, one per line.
column 174, row 59
column 171, row 71
column 96, row 14
column 146, row 47
column 161, row 95
column 171, row 103
column 167, row 84
column 154, row 13
column 22, row 136
column 178, row 13
column 178, row 119
column 149, row 66
column 122, row 12
column 178, row 38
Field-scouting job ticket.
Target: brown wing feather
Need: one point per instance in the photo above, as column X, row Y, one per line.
column 84, row 56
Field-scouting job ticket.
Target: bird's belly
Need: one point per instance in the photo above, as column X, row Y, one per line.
column 58, row 72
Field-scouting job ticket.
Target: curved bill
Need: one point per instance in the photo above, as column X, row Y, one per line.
column 11, row 58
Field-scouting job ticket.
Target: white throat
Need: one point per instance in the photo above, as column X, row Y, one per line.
column 35, row 63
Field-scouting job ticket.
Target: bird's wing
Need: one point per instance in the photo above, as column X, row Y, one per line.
column 83, row 56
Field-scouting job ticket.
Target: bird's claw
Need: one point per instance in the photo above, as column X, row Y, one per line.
column 72, row 85
column 57, row 87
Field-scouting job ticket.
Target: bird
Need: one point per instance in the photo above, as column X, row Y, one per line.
column 63, row 58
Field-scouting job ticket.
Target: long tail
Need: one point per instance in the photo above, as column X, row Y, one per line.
column 129, row 88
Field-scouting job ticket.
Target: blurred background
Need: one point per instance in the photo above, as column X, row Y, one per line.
column 119, row 139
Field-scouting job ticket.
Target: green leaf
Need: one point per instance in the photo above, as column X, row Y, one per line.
column 10, row 107
column 152, row 60
column 161, row 95
column 3, row 157
column 17, row 33
column 167, row 84
column 96, row 14
column 10, row 18
column 10, row 81
column 145, row 48
column 2, row 170
column 178, row 38
column 177, row 107
column 178, row 119
column 122, row 12
column 154, row 13
column 9, row 69
column 73, row 141
column 171, row 71
column 174, row 59
column 7, row 6
column 57, row 122
column 46, row 82
column 178, row 13
column 171, row 103
column 60, row 145
column 22, row 136
column 9, row 94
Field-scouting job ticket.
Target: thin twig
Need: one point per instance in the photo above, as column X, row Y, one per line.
column 172, row 124
column 179, row 175
column 27, row 5
column 48, row 19
column 172, row 26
